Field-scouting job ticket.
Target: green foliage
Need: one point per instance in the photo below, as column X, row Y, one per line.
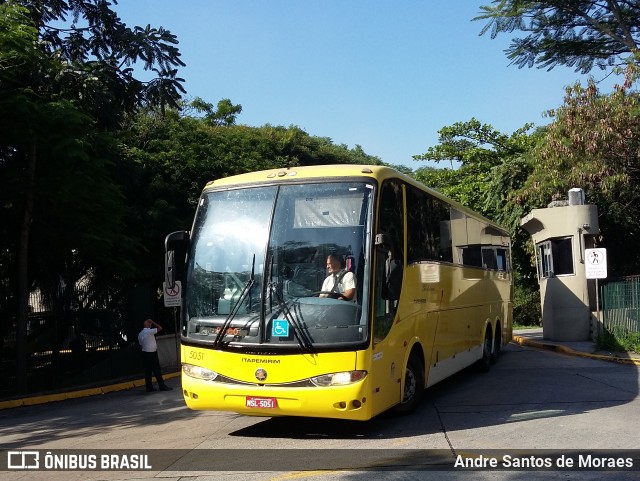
column 575, row 33
column 487, row 164
column 475, row 145
column 594, row 143
column 98, row 52
column 66, row 83
column 224, row 115
column 526, row 302
column 618, row 341
column 61, row 91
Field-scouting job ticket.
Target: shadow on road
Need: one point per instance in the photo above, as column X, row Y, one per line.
column 524, row 385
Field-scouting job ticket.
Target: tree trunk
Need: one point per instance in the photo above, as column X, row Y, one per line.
column 23, row 271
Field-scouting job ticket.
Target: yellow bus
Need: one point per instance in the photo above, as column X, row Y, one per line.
column 416, row 288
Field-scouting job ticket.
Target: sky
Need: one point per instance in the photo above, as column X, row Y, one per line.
column 382, row 74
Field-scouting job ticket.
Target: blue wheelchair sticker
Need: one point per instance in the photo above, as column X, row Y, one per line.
column 280, row 328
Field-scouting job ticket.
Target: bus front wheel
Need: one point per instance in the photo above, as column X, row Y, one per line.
column 413, row 386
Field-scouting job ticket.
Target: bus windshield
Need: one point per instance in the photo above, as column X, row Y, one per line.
column 258, row 264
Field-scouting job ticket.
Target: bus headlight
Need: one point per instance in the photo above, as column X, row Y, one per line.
column 199, row 372
column 339, row 378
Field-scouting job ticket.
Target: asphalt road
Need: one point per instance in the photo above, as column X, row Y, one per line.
column 533, row 404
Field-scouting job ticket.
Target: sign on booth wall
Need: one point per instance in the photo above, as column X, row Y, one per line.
column 595, row 264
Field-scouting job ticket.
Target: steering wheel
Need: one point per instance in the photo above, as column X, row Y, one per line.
column 330, row 294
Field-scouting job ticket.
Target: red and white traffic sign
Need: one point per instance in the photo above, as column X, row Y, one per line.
column 172, row 297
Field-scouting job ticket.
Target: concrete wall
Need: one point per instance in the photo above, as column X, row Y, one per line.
column 169, row 351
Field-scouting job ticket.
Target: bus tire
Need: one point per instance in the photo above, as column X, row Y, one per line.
column 413, row 386
column 484, row 363
column 497, row 345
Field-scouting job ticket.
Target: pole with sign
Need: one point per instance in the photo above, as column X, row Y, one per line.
column 595, row 267
column 173, row 298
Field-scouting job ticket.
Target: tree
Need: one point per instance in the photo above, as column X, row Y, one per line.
column 576, row 33
column 65, row 86
column 224, row 115
column 594, row 143
column 476, row 149
column 178, row 153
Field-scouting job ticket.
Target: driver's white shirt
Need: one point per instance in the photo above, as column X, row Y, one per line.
column 347, row 282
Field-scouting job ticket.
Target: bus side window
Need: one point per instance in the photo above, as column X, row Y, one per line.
column 389, row 256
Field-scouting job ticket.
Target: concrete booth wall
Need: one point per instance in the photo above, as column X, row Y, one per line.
column 561, row 233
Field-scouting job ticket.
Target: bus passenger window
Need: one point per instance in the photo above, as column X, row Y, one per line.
column 489, row 260
column 471, row 256
column 501, row 259
column 428, row 228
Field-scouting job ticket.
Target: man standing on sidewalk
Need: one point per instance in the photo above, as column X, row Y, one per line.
column 147, row 340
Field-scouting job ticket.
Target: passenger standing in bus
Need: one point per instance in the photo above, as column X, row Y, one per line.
column 340, row 283
column 147, row 340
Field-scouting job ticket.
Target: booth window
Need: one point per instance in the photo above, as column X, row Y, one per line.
column 555, row 257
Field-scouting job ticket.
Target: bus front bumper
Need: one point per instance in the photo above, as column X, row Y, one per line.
column 340, row 402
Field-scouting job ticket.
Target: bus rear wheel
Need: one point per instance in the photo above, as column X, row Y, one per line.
column 413, row 386
column 484, row 363
column 497, row 345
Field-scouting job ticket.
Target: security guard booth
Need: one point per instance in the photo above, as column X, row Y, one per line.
column 560, row 234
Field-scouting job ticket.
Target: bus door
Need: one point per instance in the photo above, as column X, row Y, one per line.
column 388, row 346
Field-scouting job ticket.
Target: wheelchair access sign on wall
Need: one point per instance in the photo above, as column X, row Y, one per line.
column 595, row 263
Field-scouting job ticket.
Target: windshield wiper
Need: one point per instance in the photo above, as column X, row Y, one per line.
column 300, row 333
column 247, row 288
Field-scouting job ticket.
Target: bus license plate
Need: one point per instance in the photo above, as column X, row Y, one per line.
column 261, row 402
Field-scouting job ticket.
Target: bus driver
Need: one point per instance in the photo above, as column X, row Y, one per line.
column 340, row 283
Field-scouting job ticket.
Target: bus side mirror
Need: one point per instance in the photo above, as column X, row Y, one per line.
column 169, row 269
column 176, row 242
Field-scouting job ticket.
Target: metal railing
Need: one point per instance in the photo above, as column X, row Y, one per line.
column 621, row 305
column 74, row 341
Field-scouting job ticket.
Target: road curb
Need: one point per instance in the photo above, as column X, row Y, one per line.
column 567, row 350
column 62, row 396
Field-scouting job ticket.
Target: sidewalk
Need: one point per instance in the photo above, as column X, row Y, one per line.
column 533, row 338
column 64, row 395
